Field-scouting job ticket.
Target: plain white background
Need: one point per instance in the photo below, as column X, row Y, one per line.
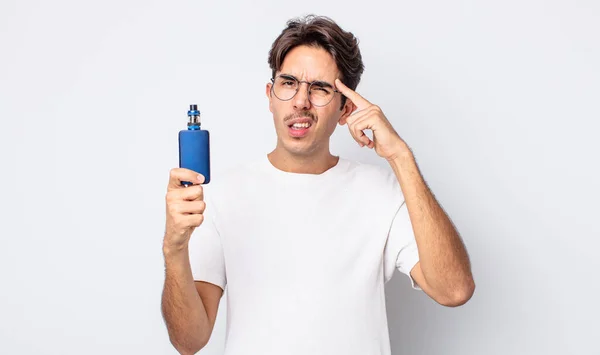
column 499, row 101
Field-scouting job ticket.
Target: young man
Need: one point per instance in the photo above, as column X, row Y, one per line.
column 305, row 240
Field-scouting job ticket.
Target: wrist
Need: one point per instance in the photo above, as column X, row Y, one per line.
column 401, row 154
column 170, row 249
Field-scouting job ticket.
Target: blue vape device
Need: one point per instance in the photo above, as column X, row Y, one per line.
column 194, row 146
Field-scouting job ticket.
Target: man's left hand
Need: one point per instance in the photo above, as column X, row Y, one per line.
column 386, row 141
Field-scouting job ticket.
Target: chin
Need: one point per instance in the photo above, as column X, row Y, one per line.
column 297, row 146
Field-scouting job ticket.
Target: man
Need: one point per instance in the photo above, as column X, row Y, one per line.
column 305, row 240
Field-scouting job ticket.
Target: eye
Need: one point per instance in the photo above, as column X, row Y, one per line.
column 320, row 88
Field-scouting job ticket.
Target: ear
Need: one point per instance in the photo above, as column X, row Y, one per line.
column 268, row 92
column 347, row 110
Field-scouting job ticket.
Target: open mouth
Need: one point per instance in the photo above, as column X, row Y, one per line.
column 299, row 129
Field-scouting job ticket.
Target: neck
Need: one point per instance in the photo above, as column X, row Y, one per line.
column 302, row 164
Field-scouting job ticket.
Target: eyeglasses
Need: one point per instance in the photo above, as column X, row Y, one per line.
column 285, row 87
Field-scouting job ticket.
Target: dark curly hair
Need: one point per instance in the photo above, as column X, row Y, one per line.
column 320, row 31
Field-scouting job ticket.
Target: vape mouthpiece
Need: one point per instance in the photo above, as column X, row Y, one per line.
column 194, row 116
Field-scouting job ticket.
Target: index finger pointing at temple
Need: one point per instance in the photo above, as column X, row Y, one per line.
column 358, row 100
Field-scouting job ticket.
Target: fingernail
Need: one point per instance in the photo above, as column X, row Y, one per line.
column 200, row 178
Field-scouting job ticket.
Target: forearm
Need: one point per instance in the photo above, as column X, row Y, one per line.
column 184, row 313
column 443, row 258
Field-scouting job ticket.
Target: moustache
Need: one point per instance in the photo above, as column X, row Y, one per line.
column 301, row 114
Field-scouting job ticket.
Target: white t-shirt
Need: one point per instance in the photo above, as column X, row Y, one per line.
column 304, row 257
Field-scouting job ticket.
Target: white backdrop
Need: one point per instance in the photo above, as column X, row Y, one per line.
column 499, row 101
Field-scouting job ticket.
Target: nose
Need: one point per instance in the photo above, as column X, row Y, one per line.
column 301, row 101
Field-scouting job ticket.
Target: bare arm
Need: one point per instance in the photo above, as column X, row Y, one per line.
column 444, row 270
column 189, row 308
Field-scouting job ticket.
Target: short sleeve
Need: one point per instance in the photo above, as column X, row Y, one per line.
column 401, row 247
column 206, row 250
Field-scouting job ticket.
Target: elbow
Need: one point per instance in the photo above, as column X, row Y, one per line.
column 461, row 296
column 187, row 347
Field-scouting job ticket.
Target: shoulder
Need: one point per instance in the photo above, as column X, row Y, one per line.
column 371, row 173
column 377, row 180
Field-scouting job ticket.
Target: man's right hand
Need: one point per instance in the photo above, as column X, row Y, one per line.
column 185, row 207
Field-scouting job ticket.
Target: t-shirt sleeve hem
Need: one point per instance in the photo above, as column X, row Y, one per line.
column 410, row 264
column 211, row 278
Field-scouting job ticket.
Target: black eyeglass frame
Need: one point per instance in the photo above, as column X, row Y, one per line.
column 310, row 84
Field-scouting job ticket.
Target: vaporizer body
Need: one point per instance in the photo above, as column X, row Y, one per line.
column 194, row 146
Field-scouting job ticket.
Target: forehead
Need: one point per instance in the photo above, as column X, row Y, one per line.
column 310, row 63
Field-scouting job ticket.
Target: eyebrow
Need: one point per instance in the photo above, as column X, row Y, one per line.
column 316, row 82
